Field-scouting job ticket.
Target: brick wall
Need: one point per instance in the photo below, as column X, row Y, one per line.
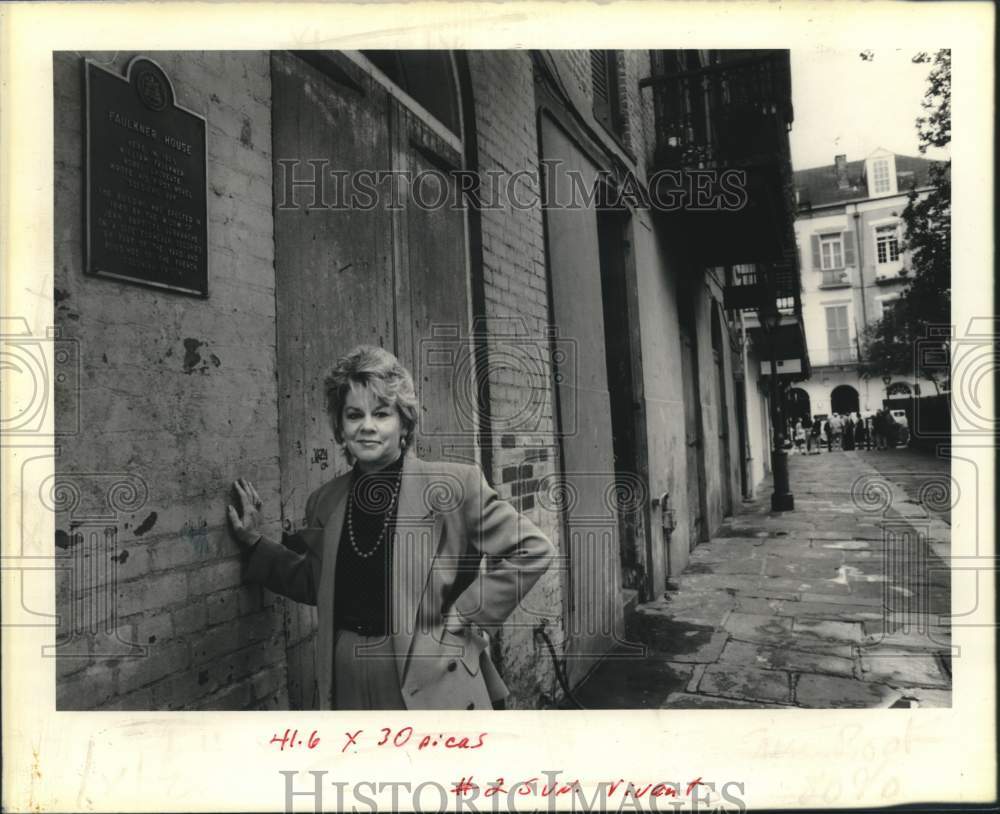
column 177, row 398
column 574, row 69
column 520, row 379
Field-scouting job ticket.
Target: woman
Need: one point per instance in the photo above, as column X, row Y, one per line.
column 847, row 439
column 800, row 436
column 391, row 556
column 814, row 435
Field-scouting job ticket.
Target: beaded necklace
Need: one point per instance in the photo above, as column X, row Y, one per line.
column 385, row 523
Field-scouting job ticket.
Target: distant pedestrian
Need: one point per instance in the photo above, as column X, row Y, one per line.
column 878, row 426
column 861, row 434
column 800, row 436
column 891, row 430
column 811, row 426
column 836, row 429
column 847, row 436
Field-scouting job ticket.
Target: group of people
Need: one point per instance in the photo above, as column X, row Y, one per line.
column 846, row 432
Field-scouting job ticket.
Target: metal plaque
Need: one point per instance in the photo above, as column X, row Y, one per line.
column 146, row 187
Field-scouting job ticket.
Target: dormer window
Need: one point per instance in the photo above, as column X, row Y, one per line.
column 880, row 169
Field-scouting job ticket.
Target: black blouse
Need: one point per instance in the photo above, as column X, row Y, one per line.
column 361, row 589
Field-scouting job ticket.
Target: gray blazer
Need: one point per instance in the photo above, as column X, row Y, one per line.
column 447, row 516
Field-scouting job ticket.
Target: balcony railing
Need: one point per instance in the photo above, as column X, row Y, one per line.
column 838, row 356
column 729, row 111
column 750, row 287
column 835, row 278
column 734, row 111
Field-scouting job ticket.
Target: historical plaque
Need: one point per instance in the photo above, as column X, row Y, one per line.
column 147, row 211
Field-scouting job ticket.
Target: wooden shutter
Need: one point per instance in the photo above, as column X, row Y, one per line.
column 849, row 249
column 836, row 327
column 817, row 263
column 607, row 99
column 602, row 90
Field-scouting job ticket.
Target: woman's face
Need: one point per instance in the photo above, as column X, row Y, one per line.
column 372, row 429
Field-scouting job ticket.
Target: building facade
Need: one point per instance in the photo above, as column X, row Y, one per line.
column 565, row 335
column 850, row 234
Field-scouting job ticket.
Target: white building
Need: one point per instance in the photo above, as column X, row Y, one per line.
column 849, row 231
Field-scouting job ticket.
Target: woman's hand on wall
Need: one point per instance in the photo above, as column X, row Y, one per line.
column 245, row 522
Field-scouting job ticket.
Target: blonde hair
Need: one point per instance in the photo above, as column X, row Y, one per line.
column 383, row 374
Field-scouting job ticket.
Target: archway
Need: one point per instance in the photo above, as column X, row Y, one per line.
column 844, row 400
column 797, row 406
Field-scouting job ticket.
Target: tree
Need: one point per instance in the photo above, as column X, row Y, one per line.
column 891, row 344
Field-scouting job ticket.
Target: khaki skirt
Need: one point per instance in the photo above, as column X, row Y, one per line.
column 364, row 672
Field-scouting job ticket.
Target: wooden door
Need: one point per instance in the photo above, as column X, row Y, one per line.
column 692, row 436
column 433, row 298
column 385, row 271
column 591, row 524
column 334, row 283
column 722, row 410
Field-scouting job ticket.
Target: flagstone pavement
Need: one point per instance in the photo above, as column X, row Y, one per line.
column 836, row 604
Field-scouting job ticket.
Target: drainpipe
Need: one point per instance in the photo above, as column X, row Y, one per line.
column 667, row 525
column 748, row 475
column 861, row 265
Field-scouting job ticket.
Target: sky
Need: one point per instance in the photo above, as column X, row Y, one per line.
column 844, row 104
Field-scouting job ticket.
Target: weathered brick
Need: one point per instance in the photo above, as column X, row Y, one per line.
column 254, row 598
column 266, row 682
column 237, row 697
column 176, row 552
column 161, row 660
column 233, row 635
column 151, row 593
column 188, row 688
column 153, row 628
column 138, row 700
column 89, row 689
column 190, row 619
column 210, row 578
column 181, row 689
column 223, row 605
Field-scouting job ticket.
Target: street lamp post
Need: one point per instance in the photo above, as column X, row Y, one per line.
column 782, row 499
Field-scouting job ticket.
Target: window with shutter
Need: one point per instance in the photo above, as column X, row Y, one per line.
column 607, row 100
column 831, row 249
column 849, row 249
column 838, row 340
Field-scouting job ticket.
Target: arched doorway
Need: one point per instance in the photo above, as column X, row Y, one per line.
column 797, row 407
column 844, row 400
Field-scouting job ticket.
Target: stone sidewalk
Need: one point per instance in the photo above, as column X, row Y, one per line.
column 835, row 604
